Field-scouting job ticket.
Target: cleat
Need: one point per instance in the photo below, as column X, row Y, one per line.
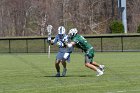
column 57, row 75
column 102, row 67
column 100, row 73
column 64, row 72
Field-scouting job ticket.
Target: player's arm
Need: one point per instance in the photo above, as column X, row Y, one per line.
column 71, row 44
column 51, row 42
column 54, row 41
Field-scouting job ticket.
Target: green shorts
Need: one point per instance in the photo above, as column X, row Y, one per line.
column 89, row 55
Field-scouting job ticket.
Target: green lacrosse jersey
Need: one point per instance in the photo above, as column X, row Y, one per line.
column 81, row 43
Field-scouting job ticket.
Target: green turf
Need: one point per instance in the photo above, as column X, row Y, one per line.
column 33, row 73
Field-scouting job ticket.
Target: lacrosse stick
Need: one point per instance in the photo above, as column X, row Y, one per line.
column 49, row 30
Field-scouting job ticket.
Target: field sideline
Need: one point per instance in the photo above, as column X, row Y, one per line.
column 34, row 73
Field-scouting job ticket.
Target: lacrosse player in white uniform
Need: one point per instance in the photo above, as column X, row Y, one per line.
column 63, row 54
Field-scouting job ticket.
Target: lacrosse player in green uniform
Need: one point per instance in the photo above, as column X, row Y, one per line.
column 80, row 42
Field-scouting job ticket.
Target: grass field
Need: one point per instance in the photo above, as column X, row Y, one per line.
column 33, row 73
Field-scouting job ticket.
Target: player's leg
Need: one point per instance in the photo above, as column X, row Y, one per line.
column 89, row 60
column 64, row 63
column 87, row 64
column 64, row 68
column 57, row 62
column 95, row 64
column 101, row 67
column 66, row 57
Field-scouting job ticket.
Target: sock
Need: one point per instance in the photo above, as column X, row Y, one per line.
column 100, row 66
column 98, row 70
column 64, row 69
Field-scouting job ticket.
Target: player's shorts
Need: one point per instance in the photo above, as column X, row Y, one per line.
column 89, row 55
column 63, row 56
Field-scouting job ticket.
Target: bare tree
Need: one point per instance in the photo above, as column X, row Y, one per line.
column 30, row 17
column 133, row 12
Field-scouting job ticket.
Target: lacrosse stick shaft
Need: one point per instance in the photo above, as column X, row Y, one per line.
column 49, row 47
column 49, row 29
column 49, row 50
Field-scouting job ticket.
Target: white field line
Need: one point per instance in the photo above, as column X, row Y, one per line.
column 124, row 91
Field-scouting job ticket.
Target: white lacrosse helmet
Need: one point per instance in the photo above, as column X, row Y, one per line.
column 61, row 30
column 73, row 32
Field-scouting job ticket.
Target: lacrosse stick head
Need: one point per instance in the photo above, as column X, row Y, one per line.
column 49, row 28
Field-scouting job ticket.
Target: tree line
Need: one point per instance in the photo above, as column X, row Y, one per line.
column 30, row 17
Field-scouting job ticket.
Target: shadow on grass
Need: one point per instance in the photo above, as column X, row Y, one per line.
column 72, row 76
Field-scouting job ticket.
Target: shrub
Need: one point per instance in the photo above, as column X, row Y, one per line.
column 138, row 30
column 116, row 27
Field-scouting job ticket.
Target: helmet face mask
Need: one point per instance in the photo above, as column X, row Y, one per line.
column 61, row 32
column 61, row 36
column 72, row 32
